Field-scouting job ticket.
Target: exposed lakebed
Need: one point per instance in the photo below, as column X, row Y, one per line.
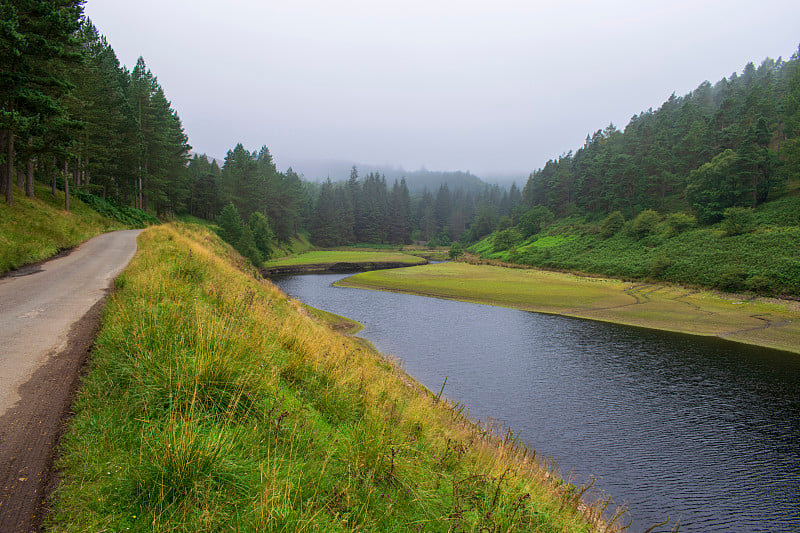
column 697, row 429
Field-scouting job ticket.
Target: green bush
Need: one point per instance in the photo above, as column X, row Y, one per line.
column 456, row 251
column 535, row 220
column 503, row 240
column 738, row 220
column 677, row 223
column 124, row 214
column 645, row 223
column 612, row 224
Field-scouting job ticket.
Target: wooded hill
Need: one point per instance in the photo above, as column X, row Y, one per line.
column 702, row 190
column 70, row 110
column 732, row 143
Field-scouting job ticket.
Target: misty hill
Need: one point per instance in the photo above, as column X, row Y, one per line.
column 318, row 170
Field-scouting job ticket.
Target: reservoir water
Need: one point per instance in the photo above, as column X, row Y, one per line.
column 698, row 430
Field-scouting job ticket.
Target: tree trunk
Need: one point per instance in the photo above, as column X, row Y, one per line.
column 20, row 179
column 3, row 166
column 29, row 173
column 53, row 175
column 66, row 186
column 10, row 168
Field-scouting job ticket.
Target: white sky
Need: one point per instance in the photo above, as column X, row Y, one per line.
column 492, row 87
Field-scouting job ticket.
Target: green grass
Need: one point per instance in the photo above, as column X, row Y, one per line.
column 324, row 257
column 36, row 229
column 649, row 305
column 765, row 261
column 214, row 403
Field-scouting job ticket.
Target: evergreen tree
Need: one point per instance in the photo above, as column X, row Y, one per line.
column 230, row 224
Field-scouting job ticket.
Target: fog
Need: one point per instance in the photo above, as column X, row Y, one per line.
column 494, row 88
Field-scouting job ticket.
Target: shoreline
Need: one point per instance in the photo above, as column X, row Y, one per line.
column 339, row 267
column 768, row 323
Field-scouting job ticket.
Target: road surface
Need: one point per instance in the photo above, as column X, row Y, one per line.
column 49, row 314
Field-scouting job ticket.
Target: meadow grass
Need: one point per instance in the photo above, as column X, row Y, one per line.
column 760, row 321
column 214, row 402
column 324, row 257
column 35, row 229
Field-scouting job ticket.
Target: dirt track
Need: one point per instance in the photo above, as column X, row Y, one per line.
column 49, row 315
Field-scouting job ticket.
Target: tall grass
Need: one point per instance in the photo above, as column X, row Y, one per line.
column 215, row 403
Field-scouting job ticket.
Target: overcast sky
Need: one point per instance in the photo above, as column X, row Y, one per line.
column 490, row 87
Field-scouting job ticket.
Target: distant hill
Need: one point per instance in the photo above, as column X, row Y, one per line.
column 318, row 170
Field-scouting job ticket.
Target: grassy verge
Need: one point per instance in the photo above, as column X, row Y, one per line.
column 215, row 403
column 34, row 229
column 759, row 321
column 324, row 257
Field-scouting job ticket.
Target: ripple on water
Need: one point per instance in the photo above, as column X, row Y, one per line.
column 702, row 430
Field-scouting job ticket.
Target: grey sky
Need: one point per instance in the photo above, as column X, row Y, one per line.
column 490, row 87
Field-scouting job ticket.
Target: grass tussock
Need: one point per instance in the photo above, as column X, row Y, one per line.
column 35, row 229
column 215, row 403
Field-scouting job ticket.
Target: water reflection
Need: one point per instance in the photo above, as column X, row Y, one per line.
column 693, row 428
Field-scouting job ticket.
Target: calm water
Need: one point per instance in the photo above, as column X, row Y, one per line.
column 696, row 429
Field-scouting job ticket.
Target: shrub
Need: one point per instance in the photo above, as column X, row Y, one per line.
column 659, row 264
column 503, row 240
column 535, row 220
column 456, row 251
column 733, row 280
column 645, row 223
column 738, row 220
column 677, row 223
column 612, row 224
column 760, row 284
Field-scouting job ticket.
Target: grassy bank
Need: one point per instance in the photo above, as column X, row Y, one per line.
column 762, row 256
column 329, row 257
column 34, row 229
column 215, row 403
column 763, row 322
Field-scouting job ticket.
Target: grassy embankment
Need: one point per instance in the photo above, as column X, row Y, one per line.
column 764, row 322
column 329, row 257
column 215, row 403
column 35, row 229
column 763, row 258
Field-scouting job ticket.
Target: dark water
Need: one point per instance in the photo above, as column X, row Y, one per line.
column 700, row 430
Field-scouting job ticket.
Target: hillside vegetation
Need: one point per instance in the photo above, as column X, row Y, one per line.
column 756, row 251
column 213, row 402
column 701, row 191
column 34, row 229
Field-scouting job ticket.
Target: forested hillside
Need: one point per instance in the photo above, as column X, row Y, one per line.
column 70, row 110
column 732, row 143
column 701, row 191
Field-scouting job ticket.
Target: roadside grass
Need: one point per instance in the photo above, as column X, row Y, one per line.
column 36, row 229
column 760, row 321
column 323, row 257
column 214, row 403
